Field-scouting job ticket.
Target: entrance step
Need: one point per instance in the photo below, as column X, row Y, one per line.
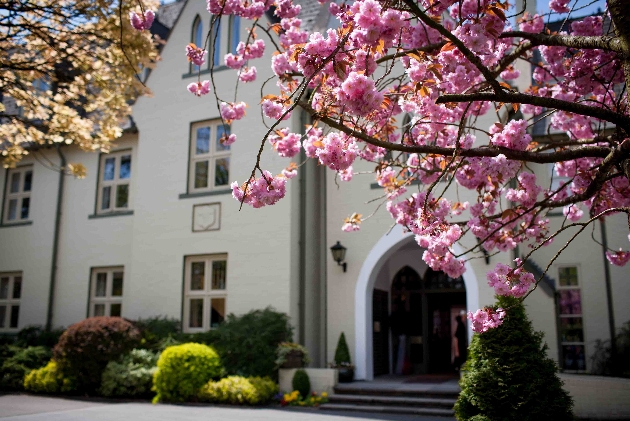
column 413, row 410
column 410, row 392
column 399, row 401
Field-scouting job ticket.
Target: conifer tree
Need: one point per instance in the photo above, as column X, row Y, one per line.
column 342, row 353
column 509, row 375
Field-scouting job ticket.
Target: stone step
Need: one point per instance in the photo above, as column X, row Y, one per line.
column 413, row 410
column 407, row 392
column 446, row 403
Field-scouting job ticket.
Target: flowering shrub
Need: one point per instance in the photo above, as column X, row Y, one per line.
column 49, row 379
column 508, row 375
column 237, row 390
column 183, row 370
column 85, row 348
column 295, row 399
column 16, row 362
column 132, row 375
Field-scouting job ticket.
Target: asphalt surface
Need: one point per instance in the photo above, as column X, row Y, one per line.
column 37, row 408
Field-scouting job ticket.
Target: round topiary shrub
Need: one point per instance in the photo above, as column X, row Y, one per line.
column 183, row 370
column 85, row 348
column 301, row 383
column 509, row 375
column 131, row 376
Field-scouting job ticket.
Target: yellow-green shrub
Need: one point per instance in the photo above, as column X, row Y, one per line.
column 48, row 379
column 183, row 370
column 237, row 390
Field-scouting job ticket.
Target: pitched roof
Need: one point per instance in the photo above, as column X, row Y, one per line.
column 313, row 14
column 168, row 13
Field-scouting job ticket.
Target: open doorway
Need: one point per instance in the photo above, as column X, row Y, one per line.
column 415, row 323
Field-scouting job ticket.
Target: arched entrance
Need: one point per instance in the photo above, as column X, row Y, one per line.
column 391, row 253
column 415, row 335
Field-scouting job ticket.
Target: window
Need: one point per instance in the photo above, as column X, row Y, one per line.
column 571, row 327
column 234, row 33
column 10, row 294
column 106, row 292
column 17, row 201
column 197, row 38
column 209, row 158
column 114, row 182
column 558, row 181
column 205, row 293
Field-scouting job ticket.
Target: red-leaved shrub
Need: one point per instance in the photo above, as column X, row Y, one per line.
column 85, row 348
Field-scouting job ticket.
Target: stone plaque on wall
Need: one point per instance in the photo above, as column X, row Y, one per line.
column 206, row 217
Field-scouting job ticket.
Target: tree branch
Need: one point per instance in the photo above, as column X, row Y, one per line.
column 519, row 98
column 571, row 41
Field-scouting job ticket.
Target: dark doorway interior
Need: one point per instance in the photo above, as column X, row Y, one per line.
column 421, row 323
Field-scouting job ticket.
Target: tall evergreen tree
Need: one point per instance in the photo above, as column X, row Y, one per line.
column 509, row 375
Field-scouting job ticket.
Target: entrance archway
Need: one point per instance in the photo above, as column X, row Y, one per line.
column 415, row 321
column 391, row 251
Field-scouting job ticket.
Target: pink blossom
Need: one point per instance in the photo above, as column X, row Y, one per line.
column 232, row 111
column 199, row 88
column 247, row 74
column 618, row 258
column 534, row 24
column 142, row 22
column 195, row 55
column 338, row 151
column 573, row 212
column 263, row 191
column 346, row 175
column 274, row 110
column 485, row 319
column 228, row 140
column 286, row 144
column 510, row 282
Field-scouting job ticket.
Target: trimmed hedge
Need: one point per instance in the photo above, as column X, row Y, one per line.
column 183, row 370
column 131, row 376
column 85, row 348
column 49, row 379
column 237, row 390
column 509, row 375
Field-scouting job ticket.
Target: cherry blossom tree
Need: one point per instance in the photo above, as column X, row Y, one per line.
column 68, row 72
column 450, row 65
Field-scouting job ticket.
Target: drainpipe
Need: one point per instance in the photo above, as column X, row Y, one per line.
column 55, row 253
column 609, row 299
column 302, row 244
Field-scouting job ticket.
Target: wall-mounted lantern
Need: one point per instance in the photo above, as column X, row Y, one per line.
column 339, row 255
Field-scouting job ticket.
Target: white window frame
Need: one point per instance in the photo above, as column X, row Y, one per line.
column 17, row 196
column 569, row 316
column 211, row 157
column 114, row 183
column 108, row 299
column 207, row 293
column 9, row 302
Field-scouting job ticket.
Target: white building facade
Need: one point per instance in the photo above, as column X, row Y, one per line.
column 153, row 230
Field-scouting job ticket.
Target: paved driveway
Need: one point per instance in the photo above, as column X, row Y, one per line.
column 36, row 408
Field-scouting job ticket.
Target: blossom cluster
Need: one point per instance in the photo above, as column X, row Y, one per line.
column 485, row 319
column 263, row 191
column 142, row 21
column 511, row 282
column 339, row 67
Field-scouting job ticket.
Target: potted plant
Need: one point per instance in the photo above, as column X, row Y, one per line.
column 342, row 361
column 291, row 355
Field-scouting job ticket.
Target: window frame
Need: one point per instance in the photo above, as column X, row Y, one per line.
column 561, row 316
column 207, row 293
column 210, row 157
column 197, row 23
column 234, row 36
column 114, row 183
column 108, row 299
column 11, row 301
column 19, row 196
